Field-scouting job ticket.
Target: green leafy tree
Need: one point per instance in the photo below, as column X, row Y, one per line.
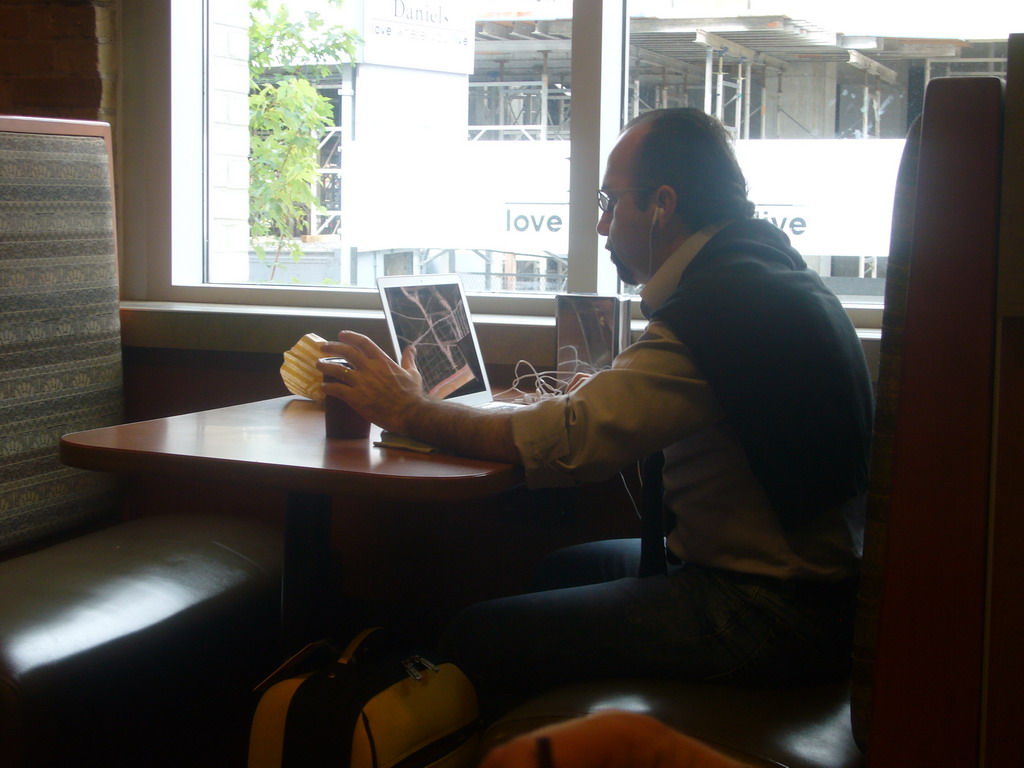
column 286, row 118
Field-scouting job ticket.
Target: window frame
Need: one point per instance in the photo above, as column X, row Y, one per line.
column 161, row 214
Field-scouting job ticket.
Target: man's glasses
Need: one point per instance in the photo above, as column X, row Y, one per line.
column 606, row 202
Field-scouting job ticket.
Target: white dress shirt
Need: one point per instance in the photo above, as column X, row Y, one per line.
column 654, row 397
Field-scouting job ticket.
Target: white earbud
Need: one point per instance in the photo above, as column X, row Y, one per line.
column 650, row 243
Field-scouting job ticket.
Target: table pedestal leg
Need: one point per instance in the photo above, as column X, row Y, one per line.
column 307, row 568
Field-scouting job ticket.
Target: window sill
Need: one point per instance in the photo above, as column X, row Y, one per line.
column 504, row 339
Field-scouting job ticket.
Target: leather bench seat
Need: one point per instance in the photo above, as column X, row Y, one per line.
column 130, row 627
column 805, row 727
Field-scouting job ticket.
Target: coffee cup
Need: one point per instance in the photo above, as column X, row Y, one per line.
column 341, row 420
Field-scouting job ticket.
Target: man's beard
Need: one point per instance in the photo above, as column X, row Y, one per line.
column 625, row 274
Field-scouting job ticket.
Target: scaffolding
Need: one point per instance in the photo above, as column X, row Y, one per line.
column 763, row 77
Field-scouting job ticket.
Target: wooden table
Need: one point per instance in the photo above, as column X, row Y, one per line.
column 280, row 443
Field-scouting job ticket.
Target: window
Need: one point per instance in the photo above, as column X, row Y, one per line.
column 818, row 117
column 447, row 142
column 444, row 143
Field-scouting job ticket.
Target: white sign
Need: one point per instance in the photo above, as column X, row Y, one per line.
column 830, row 197
column 490, row 195
column 419, row 34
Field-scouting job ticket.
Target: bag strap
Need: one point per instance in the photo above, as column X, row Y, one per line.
column 322, row 717
column 326, row 707
column 309, row 658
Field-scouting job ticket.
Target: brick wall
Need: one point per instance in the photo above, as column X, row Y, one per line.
column 50, row 56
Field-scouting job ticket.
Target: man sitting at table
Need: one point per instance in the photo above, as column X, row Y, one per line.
column 750, row 378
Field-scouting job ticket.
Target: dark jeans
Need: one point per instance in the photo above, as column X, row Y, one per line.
column 589, row 620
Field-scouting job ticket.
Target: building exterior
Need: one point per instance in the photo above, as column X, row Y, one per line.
column 450, row 149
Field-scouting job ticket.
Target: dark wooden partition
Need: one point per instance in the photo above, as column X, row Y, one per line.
column 928, row 678
column 1004, row 662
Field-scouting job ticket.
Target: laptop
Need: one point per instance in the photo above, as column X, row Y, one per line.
column 591, row 331
column 430, row 313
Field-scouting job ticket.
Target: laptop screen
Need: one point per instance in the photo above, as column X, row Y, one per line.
column 430, row 313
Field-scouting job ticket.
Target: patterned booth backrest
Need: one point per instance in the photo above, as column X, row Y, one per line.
column 60, row 341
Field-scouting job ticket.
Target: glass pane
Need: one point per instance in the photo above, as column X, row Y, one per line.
column 818, row 98
column 349, row 141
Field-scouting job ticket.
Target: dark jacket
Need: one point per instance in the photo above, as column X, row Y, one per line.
column 782, row 356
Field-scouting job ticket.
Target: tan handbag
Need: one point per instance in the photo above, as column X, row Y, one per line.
column 365, row 709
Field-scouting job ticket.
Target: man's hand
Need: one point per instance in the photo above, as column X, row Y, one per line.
column 376, row 386
column 577, row 380
column 392, row 397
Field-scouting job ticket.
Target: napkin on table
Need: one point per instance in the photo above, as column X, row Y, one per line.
column 299, row 371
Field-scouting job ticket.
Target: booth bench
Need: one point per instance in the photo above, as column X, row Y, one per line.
column 121, row 642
